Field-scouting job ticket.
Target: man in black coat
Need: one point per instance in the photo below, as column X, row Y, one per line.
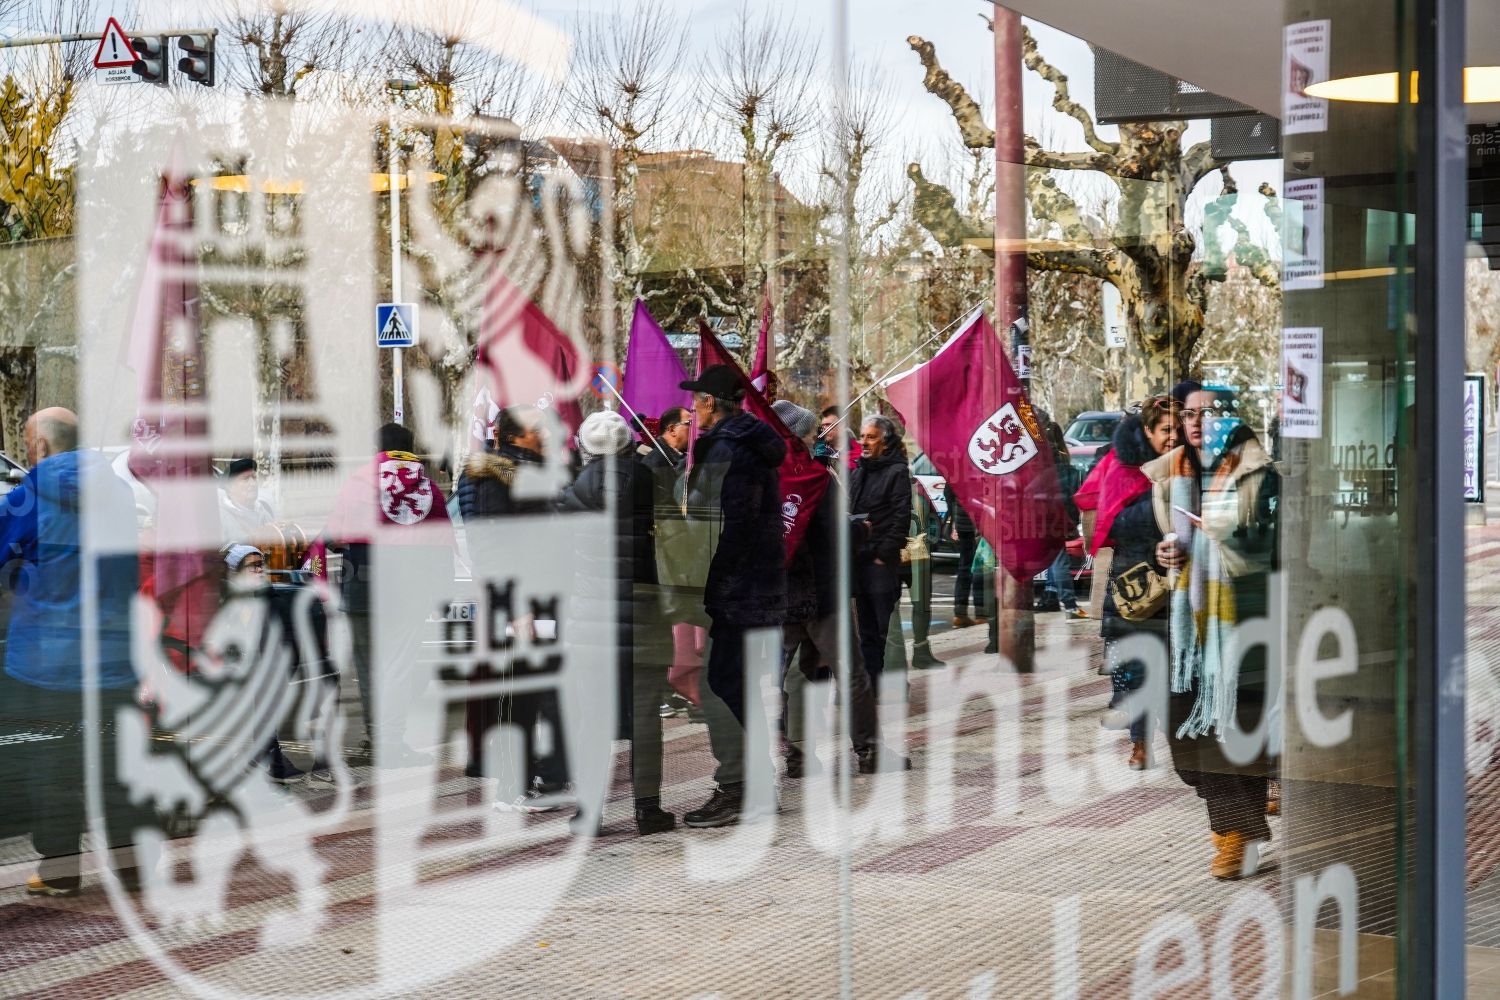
column 879, row 495
column 734, row 497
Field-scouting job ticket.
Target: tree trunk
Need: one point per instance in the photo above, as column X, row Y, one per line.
column 17, row 398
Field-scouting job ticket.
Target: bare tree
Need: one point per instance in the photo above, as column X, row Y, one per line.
column 758, row 82
column 275, row 45
column 1161, row 270
column 622, row 87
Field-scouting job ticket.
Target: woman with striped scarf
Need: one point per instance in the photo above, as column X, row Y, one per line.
column 1218, row 493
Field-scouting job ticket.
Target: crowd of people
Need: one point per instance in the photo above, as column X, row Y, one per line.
column 1178, row 511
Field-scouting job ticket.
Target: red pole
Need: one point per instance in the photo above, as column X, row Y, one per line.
column 1016, row 625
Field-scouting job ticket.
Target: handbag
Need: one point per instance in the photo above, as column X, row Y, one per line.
column 915, row 550
column 1139, row 592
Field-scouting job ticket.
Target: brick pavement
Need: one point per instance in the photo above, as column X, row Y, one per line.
column 1066, row 882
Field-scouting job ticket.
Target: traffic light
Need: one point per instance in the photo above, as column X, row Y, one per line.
column 150, row 58
column 197, row 62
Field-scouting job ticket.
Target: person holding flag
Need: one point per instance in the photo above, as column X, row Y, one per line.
column 734, row 502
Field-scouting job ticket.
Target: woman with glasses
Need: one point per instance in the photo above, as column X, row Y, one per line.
column 1218, row 493
column 1127, row 523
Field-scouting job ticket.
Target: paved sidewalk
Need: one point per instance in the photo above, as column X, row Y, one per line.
column 1065, row 881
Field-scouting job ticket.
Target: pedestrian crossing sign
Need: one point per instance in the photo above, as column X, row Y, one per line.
column 396, row 324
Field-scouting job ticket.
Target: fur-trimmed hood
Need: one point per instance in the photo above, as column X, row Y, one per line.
column 1130, row 444
column 501, row 465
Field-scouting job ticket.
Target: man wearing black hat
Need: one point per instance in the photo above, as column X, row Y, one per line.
column 243, row 513
column 733, row 493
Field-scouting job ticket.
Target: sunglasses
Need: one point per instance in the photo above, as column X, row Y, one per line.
column 1163, row 400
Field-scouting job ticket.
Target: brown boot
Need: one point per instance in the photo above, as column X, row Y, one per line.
column 1140, row 756
column 1229, row 861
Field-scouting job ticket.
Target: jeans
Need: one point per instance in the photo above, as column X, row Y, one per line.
column 965, row 583
column 1060, row 580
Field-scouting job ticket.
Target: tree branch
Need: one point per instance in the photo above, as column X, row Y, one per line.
column 1036, row 156
column 1197, row 163
column 1061, row 99
column 971, row 125
column 1096, row 263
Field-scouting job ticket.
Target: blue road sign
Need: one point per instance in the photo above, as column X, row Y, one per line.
column 396, row 324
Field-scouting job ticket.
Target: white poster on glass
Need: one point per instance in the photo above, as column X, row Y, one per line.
column 1302, row 382
column 1304, row 62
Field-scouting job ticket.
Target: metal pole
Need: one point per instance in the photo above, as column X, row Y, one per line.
column 398, row 387
column 17, row 43
column 1436, row 912
column 610, row 385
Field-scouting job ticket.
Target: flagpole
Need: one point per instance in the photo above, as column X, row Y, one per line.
column 638, row 419
column 910, row 354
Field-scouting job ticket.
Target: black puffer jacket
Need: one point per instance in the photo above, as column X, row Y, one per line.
column 484, row 486
column 625, row 482
column 734, row 491
column 1135, row 532
column 881, row 488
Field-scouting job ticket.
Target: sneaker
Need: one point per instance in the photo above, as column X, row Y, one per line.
column 667, row 710
column 1076, row 612
column 962, row 621
column 722, row 809
column 1048, row 603
column 539, row 799
column 279, row 769
column 56, row 889
column 880, row 758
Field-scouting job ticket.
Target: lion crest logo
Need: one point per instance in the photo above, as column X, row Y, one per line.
column 1002, row 444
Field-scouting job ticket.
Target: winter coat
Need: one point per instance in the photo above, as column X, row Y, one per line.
column 734, row 505
column 40, row 527
column 485, row 485
column 881, row 488
column 626, row 483
column 1135, row 531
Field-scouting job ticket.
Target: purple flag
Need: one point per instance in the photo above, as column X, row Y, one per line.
column 653, row 370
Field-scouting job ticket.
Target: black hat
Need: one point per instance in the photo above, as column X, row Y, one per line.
column 240, row 465
column 1182, row 390
column 719, row 381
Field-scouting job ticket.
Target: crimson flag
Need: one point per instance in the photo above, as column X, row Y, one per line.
column 804, row 480
column 969, row 412
column 527, row 359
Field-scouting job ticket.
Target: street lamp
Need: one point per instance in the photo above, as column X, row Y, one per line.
column 398, row 388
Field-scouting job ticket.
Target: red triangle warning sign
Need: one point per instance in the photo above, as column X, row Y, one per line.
column 114, row 48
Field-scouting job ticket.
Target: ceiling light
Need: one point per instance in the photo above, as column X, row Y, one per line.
column 1481, row 86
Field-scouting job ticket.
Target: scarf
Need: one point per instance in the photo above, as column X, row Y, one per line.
column 1203, row 616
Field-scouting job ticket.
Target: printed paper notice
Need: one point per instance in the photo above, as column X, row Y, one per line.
column 1302, row 235
column 1302, row 382
column 1304, row 62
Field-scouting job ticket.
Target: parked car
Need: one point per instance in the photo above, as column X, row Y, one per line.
column 1090, row 431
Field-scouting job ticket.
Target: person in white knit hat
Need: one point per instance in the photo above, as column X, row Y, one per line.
column 622, row 569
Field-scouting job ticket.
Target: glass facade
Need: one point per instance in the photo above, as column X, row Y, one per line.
column 709, row 500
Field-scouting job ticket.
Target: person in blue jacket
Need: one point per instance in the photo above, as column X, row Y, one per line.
column 45, row 681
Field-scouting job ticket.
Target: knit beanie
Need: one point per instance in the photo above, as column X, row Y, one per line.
column 799, row 421
column 604, row 433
